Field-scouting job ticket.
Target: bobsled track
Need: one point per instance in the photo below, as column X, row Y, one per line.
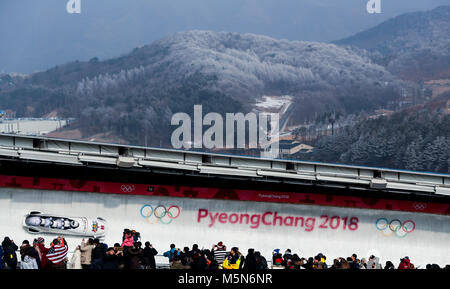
column 186, row 198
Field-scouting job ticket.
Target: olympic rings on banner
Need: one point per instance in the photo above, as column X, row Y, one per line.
column 179, row 212
column 384, row 222
column 147, row 216
column 389, row 228
column 420, row 206
column 395, row 225
column 413, row 226
column 127, row 188
column 160, row 214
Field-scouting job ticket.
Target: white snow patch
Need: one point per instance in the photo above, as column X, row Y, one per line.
column 273, row 102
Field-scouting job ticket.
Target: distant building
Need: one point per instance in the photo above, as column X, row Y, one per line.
column 381, row 112
column 433, row 88
column 288, row 148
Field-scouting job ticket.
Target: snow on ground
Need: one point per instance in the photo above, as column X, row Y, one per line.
column 273, row 102
column 31, row 126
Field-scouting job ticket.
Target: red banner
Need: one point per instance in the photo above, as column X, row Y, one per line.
column 217, row 193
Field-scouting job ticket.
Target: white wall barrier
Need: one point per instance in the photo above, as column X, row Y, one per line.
column 306, row 230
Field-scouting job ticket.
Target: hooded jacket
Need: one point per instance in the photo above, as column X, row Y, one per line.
column 250, row 262
column 99, row 251
column 43, row 252
column 9, row 253
column 28, row 263
column 232, row 262
column 110, row 262
column 148, row 257
column 128, row 242
column 75, row 262
column 404, row 264
column 135, row 256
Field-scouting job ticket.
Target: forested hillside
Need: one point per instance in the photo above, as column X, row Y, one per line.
column 135, row 95
column 414, row 46
column 415, row 139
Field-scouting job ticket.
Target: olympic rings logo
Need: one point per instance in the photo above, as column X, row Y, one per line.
column 127, row 188
column 395, row 227
column 420, row 206
column 160, row 214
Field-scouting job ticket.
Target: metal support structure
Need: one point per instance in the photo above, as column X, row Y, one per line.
column 79, row 153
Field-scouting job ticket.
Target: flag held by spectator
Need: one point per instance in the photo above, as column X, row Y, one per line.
column 57, row 253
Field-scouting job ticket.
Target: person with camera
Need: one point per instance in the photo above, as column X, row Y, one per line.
column 199, row 262
column 148, row 256
column 405, row 263
column 171, row 254
column 118, row 251
column 354, row 264
column 9, row 253
column 86, row 253
column 261, row 262
column 220, row 252
column 135, row 254
column 110, row 260
column 98, row 252
column 250, row 260
column 234, row 259
column 186, row 258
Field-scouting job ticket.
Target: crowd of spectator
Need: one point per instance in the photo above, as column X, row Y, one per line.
column 130, row 254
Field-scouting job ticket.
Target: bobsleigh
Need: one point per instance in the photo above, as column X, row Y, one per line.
column 38, row 223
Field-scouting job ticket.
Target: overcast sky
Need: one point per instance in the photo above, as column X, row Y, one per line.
column 38, row 34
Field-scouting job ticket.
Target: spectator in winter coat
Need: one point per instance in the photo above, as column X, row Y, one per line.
column 24, row 247
column 136, row 236
column 170, row 254
column 9, row 253
column 177, row 260
column 336, row 264
column 323, row 260
column 287, row 257
column 354, row 262
column 75, row 262
column 1, row 257
column 277, row 259
column 58, row 243
column 86, row 253
column 129, row 241
column 373, row 263
column 198, row 261
column 389, row 266
column 210, row 260
column 135, row 256
column 42, row 252
column 405, row 263
column 261, row 262
column 118, row 250
column 97, row 254
column 148, row 256
column 234, row 260
column 37, row 253
column 186, row 258
column 295, row 262
column 250, row 260
column 110, row 261
column 220, row 252
column 27, row 248
column 28, row 259
column 363, row 264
